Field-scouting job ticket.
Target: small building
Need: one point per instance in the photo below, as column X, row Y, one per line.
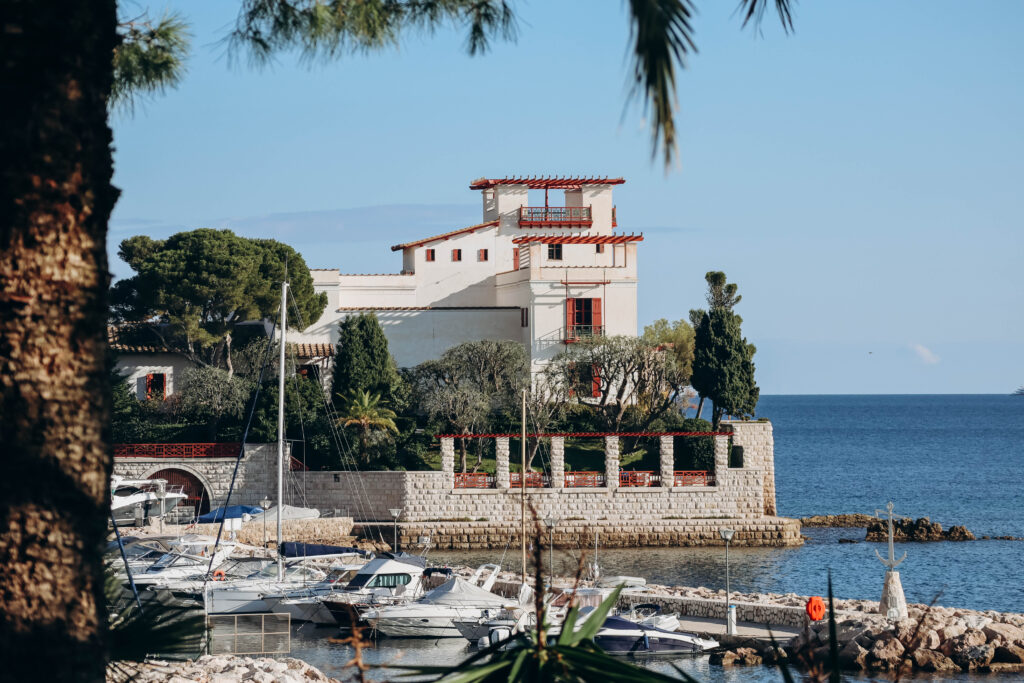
column 543, row 275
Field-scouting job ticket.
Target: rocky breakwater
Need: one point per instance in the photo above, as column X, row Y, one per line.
column 916, row 530
column 939, row 639
column 218, row 669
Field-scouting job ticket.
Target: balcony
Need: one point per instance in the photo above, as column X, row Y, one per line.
column 554, row 216
column 575, row 333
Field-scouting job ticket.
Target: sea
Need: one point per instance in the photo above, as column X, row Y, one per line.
column 956, row 459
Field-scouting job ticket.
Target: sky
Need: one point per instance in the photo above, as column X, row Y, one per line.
column 860, row 179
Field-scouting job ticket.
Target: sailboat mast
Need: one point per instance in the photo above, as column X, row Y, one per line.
column 522, row 496
column 280, row 430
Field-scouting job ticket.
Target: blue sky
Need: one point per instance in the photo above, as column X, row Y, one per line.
column 860, row 180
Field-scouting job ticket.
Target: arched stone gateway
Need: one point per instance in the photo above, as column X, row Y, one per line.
column 198, row 500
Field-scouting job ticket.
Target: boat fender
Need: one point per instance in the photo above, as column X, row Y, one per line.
column 816, row 608
column 219, row 575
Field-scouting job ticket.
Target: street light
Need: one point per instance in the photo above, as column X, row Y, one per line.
column 727, row 536
column 265, row 504
column 396, row 513
column 550, row 522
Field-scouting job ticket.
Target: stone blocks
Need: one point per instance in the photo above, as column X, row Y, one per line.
column 557, row 462
column 611, row 462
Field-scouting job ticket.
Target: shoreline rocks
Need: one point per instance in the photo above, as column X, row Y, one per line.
column 218, row 669
column 917, row 530
column 849, row 521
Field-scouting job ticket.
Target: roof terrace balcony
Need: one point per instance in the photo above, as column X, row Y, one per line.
column 555, row 217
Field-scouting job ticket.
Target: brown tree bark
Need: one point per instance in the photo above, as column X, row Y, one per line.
column 55, row 202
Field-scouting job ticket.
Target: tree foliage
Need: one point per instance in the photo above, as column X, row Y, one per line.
column 362, row 361
column 612, row 375
column 149, row 59
column 200, row 284
column 723, row 367
column 364, row 412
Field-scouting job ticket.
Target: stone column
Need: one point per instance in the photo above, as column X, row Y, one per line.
column 721, row 459
column 668, row 462
column 501, row 476
column 611, row 462
column 447, row 462
column 558, row 462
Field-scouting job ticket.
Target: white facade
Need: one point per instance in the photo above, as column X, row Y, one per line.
column 544, row 276
column 142, row 368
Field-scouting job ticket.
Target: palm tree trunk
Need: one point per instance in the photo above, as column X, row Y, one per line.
column 55, row 202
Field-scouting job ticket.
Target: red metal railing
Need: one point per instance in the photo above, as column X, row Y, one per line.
column 694, row 478
column 555, row 215
column 534, row 480
column 176, row 450
column 574, row 480
column 638, row 479
column 474, row 480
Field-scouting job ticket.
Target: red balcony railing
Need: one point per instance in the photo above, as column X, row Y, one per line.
column 575, row 480
column 694, row 478
column 575, row 333
column 474, row 480
column 176, row 450
column 555, row 216
column 639, row 479
column 534, row 480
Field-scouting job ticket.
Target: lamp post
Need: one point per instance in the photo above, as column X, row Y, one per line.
column 396, row 513
column 265, row 504
column 550, row 522
column 726, row 535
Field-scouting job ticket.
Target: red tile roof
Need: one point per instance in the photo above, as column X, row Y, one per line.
column 444, row 235
column 578, row 239
column 545, row 182
column 426, row 308
column 135, row 338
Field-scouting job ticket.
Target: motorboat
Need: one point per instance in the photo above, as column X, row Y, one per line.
column 619, row 636
column 434, row 614
column 184, row 561
column 137, row 501
column 392, row 578
column 250, row 595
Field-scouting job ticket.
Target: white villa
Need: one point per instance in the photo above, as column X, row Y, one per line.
column 542, row 275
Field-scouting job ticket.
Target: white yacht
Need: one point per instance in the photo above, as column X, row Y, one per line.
column 386, row 580
column 435, row 613
column 136, row 501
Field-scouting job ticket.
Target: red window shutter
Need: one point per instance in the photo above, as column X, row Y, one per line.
column 596, row 314
column 515, row 259
column 595, row 373
column 570, row 316
column 149, row 385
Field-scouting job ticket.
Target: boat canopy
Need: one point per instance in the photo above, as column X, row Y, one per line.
column 406, row 558
column 458, row 591
column 293, row 512
column 230, row 512
column 295, row 549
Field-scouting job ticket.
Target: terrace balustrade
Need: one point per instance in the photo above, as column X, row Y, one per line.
column 555, row 216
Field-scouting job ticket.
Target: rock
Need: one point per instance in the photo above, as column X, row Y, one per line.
column 885, row 653
column 1002, row 667
column 1006, row 633
column 963, row 642
column 959, row 533
column 928, row 639
column 930, row 660
column 853, row 656
column 848, row 521
column 976, row 621
column 1009, row 654
column 748, row 656
column 973, row 658
column 849, row 540
column 950, row 632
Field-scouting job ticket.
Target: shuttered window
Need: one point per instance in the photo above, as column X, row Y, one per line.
column 431, row 255
column 456, row 254
column 481, row 255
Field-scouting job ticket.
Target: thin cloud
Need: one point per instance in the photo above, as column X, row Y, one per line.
column 925, row 354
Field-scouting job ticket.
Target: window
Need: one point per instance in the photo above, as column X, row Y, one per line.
column 389, row 581
column 456, row 254
column 595, row 381
column 736, row 456
column 481, row 255
column 600, row 248
column 554, row 252
column 430, row 255
column 524, row 317
column 156, row 386
column 582, row 319
column 515, row 259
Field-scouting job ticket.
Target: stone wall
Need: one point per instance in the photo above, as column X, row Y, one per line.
column 758, row 613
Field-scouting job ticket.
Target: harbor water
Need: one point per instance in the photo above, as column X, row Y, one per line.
column 955, row 459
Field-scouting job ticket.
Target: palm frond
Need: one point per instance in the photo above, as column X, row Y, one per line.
column 753, row 11
column 662, row 35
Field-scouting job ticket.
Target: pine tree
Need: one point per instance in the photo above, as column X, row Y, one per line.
column 723, row 366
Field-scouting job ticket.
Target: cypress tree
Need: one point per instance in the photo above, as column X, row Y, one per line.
column 723, row 366
column 362, row 361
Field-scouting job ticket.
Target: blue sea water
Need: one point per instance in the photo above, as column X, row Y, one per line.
column 954, row 458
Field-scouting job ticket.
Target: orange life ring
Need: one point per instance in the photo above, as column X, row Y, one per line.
column 816, row 608
column 219, row 575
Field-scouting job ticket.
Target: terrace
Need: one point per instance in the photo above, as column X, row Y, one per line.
column 555, row 217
